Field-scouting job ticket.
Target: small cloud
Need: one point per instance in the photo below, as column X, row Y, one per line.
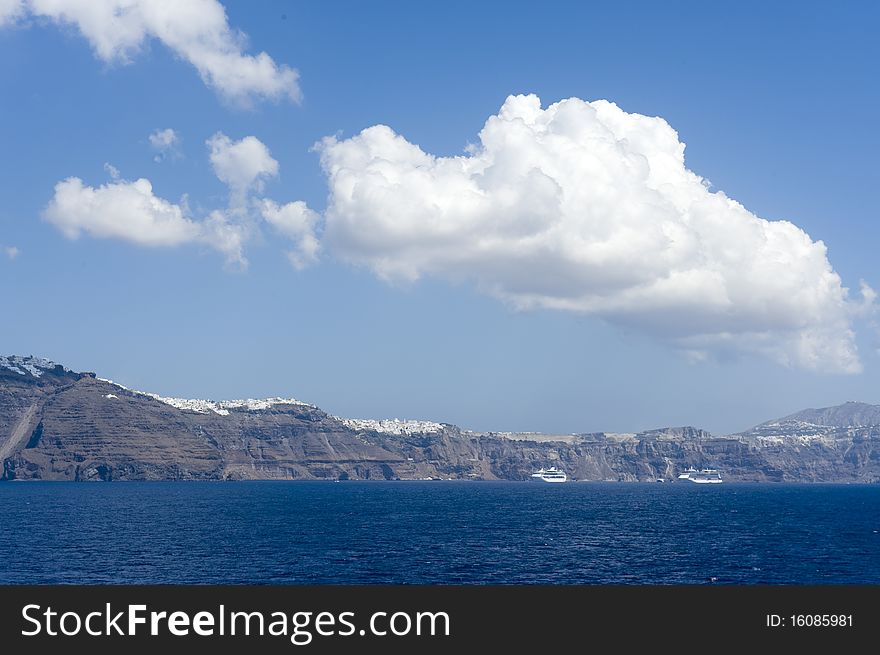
column 112, row 171
column 166, row 143
column 695, row 356
column 130, row 211
column 297, row 222
column 868, row 305
column 242, row 165
column 11, row 251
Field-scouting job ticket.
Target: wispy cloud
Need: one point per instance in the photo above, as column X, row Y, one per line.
column 297, row 222
column 11, row 10
column 197, row 31
column 166, row 143
column 111, row 170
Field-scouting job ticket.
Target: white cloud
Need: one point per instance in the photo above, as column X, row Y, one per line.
column 130, row 211
column 586, row 208
column 166, row 143
column 11, row 251
column 225, row 235
column 297, row 222
column 195, row 30
column 10, row 10
column 163, row 139
column 111, row 170
column 242, row 165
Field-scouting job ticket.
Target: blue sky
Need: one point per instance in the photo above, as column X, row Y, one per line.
column 777, row 104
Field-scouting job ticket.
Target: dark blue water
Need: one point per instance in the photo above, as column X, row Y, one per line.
column 438, row 532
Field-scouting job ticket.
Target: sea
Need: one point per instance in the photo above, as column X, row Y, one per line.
column 438, row 532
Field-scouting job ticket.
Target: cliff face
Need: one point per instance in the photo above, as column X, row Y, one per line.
column 849, row 414
column 89, row 429
column 56, row 424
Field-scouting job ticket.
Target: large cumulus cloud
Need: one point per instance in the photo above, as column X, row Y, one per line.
column 587, row 208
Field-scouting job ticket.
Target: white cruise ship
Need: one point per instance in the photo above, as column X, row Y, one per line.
column 551, row 474
column 703, row 476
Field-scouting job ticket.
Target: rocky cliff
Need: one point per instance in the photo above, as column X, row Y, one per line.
column 57, row 424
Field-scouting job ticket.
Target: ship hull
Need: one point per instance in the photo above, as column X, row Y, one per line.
column 705, row 476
